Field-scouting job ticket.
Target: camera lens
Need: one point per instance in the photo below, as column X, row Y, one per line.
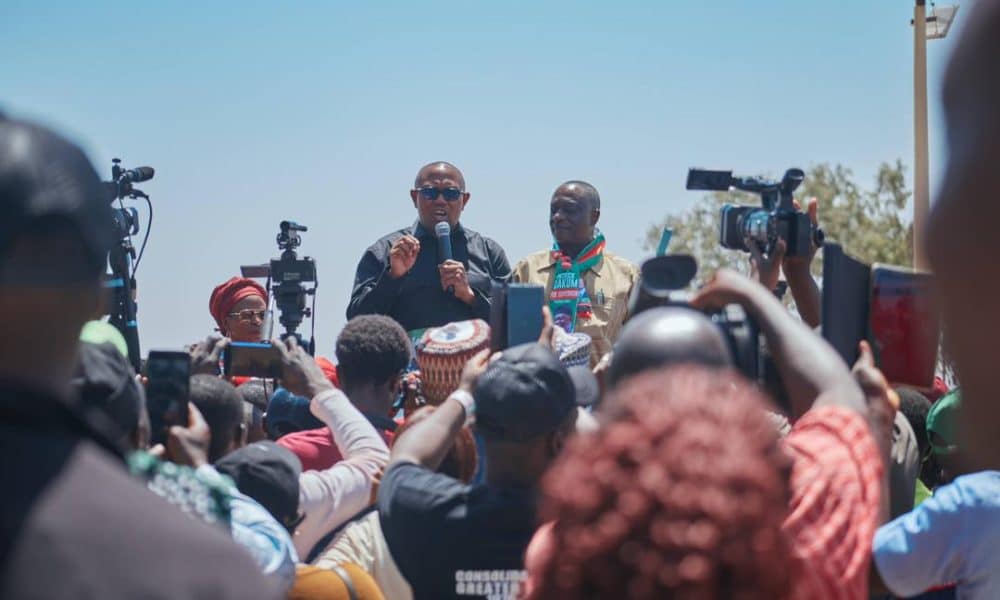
column 757, row 226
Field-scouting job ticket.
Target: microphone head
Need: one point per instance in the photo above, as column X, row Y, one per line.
column 143, row 174
column 442, row 229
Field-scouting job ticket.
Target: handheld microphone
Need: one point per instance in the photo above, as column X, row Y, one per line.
column 443, row 232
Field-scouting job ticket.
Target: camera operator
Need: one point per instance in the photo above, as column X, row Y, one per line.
column 69, row 506
column 829, row 500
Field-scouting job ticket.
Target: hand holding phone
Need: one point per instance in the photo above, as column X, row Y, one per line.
column 188, row 445
column 205, row 356
column 300, row 374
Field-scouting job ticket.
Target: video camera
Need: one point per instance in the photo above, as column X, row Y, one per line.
column 286, row 276
column 288, row 273
column 122, row 258
column 661, row 282
column 776, row 219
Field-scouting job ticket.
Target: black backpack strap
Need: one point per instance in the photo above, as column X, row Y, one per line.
column 324, row 541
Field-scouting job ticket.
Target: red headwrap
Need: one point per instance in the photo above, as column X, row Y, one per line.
column 226, row 295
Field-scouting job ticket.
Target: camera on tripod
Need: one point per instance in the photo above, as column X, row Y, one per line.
column 288, row 273
column 776, row 218
column 122, row 259
column 286, row 276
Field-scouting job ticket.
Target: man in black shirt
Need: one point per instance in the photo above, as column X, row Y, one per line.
column 452, row 540
column 73, row 523
column 402, row 276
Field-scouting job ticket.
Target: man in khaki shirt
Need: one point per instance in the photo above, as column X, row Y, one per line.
column 587, row 287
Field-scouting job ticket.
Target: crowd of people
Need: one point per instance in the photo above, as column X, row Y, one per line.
column 619, row 455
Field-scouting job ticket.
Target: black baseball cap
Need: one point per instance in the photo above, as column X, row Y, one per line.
column 269, row 474
column 588, row 390
column 104, row 380
column 524, row 394
column 45, row 178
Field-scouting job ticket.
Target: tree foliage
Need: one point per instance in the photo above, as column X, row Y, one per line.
column 868, row 223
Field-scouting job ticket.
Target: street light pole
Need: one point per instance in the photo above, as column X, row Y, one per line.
column 921, row 180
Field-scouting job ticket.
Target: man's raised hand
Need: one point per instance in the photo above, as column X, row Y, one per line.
column 403, row 255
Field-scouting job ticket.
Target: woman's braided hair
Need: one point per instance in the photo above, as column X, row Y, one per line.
column 681, row 494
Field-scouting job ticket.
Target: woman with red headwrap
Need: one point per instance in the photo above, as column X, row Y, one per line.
column 239, row 306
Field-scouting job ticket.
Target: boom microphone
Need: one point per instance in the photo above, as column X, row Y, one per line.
column 137, row 174
column 443, row 232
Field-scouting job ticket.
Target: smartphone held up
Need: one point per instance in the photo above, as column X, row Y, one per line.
column 168, row 376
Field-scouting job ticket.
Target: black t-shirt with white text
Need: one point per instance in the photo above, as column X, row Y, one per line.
column 452, row 540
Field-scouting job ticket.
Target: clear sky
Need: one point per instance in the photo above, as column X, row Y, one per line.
column 321, row 112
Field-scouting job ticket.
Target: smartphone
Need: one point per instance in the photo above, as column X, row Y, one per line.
column 904, row 326
column 846, row 296
column 515, row 314
column 169, row 375
column 524, row 313
column 498, row 316
column 250, row 359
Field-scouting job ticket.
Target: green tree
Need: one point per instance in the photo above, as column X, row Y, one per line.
column 868, row 223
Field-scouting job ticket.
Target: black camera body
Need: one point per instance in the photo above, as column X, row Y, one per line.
column 125, row 221
column 288, row 274
column 661, row 282
column 776, row 218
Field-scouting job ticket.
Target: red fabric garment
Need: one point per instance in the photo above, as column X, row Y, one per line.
column 238, row 380
column 226, row 295
column 329, row 369
column 833, row 512
column 315, row 447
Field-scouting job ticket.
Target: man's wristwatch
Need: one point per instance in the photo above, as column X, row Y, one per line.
column 468, row 402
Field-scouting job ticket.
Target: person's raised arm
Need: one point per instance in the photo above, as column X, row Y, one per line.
column 330, row 497
column 427, row 442
column 811, row 370
column 798, row 272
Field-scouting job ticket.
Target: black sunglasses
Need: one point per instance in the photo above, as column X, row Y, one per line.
column 431, row 193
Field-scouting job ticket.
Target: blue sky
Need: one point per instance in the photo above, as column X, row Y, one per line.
column 321, row 112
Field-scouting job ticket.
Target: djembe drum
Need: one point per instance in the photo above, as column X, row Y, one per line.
column 442, row 353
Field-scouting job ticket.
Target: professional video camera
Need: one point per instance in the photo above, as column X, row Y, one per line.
column 661, row 282
column 122, row 259
column 288, row 273
column 285, row 278
column 777, row 219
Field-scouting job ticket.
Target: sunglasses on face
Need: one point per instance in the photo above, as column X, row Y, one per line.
column 248, row 315
column 431, row 193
